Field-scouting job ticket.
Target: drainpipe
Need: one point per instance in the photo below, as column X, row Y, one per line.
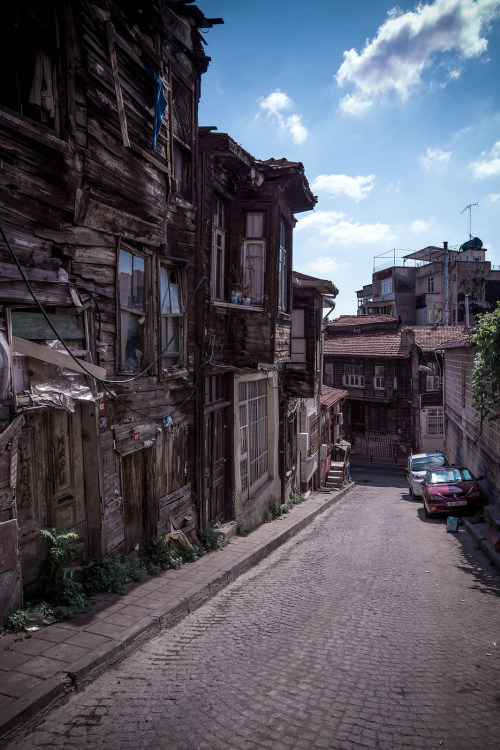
column 467, row 314
column 446, row 320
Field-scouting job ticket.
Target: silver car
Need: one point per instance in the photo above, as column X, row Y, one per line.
column 418, row 463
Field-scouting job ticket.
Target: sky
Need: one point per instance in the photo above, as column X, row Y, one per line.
column 394, row 111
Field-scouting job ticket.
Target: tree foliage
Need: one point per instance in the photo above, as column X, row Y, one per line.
column 486, row 372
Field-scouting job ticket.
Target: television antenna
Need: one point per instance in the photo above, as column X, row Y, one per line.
column 469, row 209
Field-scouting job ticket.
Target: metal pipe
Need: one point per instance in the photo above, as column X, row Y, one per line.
column 467, row 312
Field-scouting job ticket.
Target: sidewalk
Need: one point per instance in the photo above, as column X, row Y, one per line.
column 37, row 673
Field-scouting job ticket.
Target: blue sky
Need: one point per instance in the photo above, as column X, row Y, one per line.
column 393, row 110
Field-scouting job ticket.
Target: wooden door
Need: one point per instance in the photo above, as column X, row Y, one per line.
column 133, row 469
column 215, row 464
column 50, row 484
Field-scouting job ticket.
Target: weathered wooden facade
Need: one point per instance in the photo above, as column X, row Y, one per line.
column 375, row 363
column 98, row 153
column 246, row 405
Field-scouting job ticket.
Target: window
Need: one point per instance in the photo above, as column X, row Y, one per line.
column 298, row 353
column 386, row 286
column 430, row 285
column 219, row 234
column 182, row 131
column 435, row 422
column 182, row 171
column 170, row 314
column 433, row 382
column 132, row 309
column 30, row 59
column 328, row 373
column 283, row 259
column 379, row 377
column 354, row 376
column 252, row 401
column 254, row 247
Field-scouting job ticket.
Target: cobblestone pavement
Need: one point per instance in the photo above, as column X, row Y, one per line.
column 373, row 628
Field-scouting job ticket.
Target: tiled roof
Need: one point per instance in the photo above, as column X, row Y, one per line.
column 467, row 340
column 430, row 337
column 330, row 396
column 380, row 345
column 359, row 320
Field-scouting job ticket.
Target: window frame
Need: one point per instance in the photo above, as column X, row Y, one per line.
column 219, row 253
column 166, row 370
column 283, row 266
column 386, row 286
column 253, row 434
column 53, row 45
column 434, row 422
column 249, row 286
column 379, row 378
column 144, row 312
column 353, row 376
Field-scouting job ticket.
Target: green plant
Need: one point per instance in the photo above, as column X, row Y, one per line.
column 311, row 449
column 211, row 537
column 297, row 497
column 159, row 556
column 60, row 573
column 486, row 371
column 16, row 621
column 112, row 574
column 237, row 510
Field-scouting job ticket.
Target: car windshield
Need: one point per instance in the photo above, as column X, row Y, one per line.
column 447, row 476
column 428, row 462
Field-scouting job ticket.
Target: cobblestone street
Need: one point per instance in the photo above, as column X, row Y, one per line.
column 372, row 628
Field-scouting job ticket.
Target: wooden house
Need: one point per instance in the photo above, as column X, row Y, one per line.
column 246, row 218
column 374, row 362
column 98, row 285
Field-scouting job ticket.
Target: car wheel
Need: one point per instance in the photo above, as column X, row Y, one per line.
column 426, row 512
column 410, row 492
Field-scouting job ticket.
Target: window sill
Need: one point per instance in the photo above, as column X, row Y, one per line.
column 38, row 132
column 169, row 374
column 229, row 305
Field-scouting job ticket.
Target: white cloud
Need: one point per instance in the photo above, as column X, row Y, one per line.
column 334, row 227
column 405, row 45
column 275, row 105
column 494, row 197
column 296, row 129
column 334, row 184
column 433, row 157
column 488, row 165
column 420, row 225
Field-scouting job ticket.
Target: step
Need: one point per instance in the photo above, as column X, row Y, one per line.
column 492, row 516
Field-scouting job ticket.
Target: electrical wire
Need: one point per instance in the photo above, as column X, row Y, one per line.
column 105, row 381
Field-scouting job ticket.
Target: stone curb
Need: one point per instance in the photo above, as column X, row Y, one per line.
column 481, row 533
column 80, row 673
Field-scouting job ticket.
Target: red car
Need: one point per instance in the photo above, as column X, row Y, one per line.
column 451, row 490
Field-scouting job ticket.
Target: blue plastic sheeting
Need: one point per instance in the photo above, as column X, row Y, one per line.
column 160, row 105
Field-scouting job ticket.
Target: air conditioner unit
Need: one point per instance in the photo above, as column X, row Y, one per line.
column 302, row 441
column 323, row 452
column 339, row 418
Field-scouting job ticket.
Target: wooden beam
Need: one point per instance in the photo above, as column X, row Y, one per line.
column 118, row 89
column 23, row 346
column 11, row 430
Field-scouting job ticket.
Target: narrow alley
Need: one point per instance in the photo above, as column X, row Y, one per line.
column 372, row 628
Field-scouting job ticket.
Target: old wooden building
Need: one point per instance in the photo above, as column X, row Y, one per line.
column 99, row 284
column 252, row 370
